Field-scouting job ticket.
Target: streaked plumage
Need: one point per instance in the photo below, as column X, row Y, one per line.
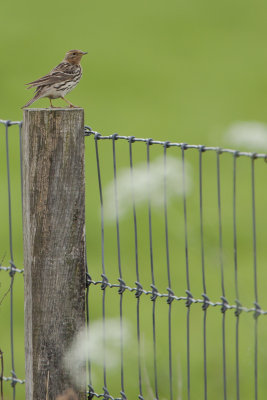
column 60, row 81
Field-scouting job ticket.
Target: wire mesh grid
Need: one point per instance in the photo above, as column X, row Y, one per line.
column 178, row 354
column 228, row 378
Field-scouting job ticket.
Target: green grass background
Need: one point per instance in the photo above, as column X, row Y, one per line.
column 180, row 71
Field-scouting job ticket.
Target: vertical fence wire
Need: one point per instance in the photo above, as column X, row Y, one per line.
column 139, row 286
column 105, row 280
column 189, row 295
column 12, row 268
column 256, row 314
column 122, row 283
column 223, row 298
column 12, row 265
column 205, row 304
column 88, row 278
column 238, row 310
column 1, row 374
column 154, row 289
column 170, row 292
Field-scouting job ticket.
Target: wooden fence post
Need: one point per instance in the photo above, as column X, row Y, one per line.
column 54, row 245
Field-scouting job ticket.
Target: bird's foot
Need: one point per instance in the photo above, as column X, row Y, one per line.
column 73, row 106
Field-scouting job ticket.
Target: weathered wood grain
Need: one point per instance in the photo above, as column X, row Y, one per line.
column 54, row 244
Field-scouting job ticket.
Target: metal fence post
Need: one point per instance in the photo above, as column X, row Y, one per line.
column 54, row 245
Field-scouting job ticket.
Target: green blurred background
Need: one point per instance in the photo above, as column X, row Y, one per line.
column 181, row 71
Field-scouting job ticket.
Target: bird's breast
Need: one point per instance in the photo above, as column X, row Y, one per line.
column 62, row 88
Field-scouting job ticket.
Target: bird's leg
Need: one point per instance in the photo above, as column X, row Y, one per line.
column 51, row 105
column 69, row 103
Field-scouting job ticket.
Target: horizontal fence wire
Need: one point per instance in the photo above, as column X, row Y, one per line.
column 171, row 296
column 89, row 131
column 122, row 287
column 13, row 269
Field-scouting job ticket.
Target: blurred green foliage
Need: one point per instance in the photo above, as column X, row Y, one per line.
column 179, row 71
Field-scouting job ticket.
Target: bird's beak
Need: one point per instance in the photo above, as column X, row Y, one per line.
column 84, row 52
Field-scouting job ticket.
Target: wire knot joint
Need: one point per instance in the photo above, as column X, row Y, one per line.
column 97, row 136
column 224, row 304
column 91, row 392
column 104, row 282
column 123, row 395
column 12, row 269
column 170, row 296
column 206, row 302
column 154, row 293
column 88, row 280
column 166, row 145
column 106, row 393
column 189, row 300
column 14, row 379
column 114, row 136
column 139, row 290
column 122, row 286
column 131, row 139
column 238, row 308
column 202, row 148
column 257, row 312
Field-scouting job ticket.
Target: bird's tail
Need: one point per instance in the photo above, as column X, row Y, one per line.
column 36, row 97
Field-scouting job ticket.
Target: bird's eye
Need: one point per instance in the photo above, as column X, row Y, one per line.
column 74, row 54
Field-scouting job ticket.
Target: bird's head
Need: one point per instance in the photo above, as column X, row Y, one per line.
column 74, row 56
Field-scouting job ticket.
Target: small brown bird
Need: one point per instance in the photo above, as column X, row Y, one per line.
column 60, row 81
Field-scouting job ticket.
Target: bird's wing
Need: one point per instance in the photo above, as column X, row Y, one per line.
column 60, row 73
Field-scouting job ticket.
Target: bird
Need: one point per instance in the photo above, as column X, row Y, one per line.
column 60, row 81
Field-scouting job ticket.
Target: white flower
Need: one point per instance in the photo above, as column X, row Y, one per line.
column 251, row 135
column 146, row 185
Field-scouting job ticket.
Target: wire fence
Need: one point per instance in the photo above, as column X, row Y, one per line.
column 178, row 227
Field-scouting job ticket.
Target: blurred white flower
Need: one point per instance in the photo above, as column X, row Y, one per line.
column 146, row 185
column 91, row 344
column 251, row 135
